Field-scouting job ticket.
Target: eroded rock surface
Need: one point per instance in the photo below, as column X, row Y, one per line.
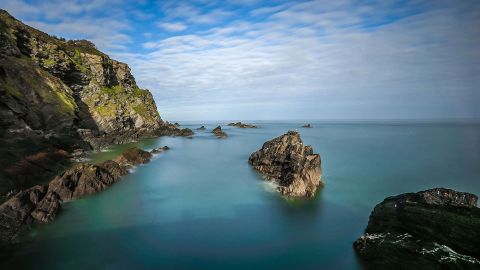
column 432, row 229
column 219, row 133
column 86, row 179
column 26, row 208
column 293, row 166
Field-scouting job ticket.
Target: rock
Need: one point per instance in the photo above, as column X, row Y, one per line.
column 307, row 126
column 290, row 164
column 242, row 125
column 176, row 124
column 433, row 229
column 160, row 150
column 219, row 133
column 133, row 157
column 86, row 179
column 27, row 207
column 201, row 128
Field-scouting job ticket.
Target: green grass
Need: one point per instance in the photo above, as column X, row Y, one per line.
column 116, row 89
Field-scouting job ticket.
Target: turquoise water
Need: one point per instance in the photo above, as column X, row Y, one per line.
column 200, row 205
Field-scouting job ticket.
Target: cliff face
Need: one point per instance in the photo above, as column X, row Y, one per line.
column 57, row 96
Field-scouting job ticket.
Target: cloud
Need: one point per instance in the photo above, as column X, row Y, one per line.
column 174, row 27
column 287, row 59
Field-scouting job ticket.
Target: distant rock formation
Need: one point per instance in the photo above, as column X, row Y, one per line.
column 242, row 125
column 291, row 165
column 201, row 128
column 307, row 126
column 41, row 203
column 219, row 133
column 433, row 229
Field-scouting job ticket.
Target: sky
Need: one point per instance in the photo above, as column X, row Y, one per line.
column 284, row 60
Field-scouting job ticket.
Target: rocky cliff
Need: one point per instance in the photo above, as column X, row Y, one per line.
column 293, row 166
column 57, row 96
column 432, row 229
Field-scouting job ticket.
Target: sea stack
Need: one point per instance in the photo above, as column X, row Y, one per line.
column 433, row 229
column 293, row 166
column 219, row 133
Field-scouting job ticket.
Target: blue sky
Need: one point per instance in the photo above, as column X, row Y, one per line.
column 234, row 59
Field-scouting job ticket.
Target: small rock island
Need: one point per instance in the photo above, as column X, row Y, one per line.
column 201, row 128
column 242, row 125
column 219, row 133
column 293, row 166
column 433, row 229
column 307, row 126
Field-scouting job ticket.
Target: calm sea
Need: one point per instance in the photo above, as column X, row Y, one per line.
column 200, row 205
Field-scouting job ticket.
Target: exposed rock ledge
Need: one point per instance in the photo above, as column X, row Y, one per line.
column 433, row 229
column 41, row 203
column 242, row 125
column 291, row 165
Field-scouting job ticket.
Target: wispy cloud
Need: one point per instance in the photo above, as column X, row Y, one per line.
column 174, row 27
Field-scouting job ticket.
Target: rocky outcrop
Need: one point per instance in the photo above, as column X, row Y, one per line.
column 201, row 128
column 86, row 179
column 433, row 229
column 307, row 126
column 134, row 157
column 160, row 150
column 26, row 208
column 219, row 133
column 293, row 166
column 40, row 204
column 58, row 95
column 242, row 125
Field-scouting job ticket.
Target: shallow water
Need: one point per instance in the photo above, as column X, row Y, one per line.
column 200, row 205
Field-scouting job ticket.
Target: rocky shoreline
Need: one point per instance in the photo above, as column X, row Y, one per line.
column 59, row 98
column 42, row 203
column 432, row 229
column 293, row 166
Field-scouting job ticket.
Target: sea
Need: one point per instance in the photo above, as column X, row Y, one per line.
column 201, row 206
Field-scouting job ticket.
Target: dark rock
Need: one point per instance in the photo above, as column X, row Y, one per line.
column 290, row 164
column 133, row 157
column 176, row 124
column 219, row 133
column 307, row 126
column 86, row 179
column 201, row 128
column 242, row 125
column 160, row 150
column 433, row 229
column 26, row 208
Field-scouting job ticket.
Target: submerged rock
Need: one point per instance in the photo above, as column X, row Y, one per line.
column 160, row 150
column 433, row 229
column 307, row 126
column 219, row 133
column 242, row 125
column 26, row 208
column 201, row 128
column 290, row 164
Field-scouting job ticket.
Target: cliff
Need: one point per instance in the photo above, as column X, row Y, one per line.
column 57, row 96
